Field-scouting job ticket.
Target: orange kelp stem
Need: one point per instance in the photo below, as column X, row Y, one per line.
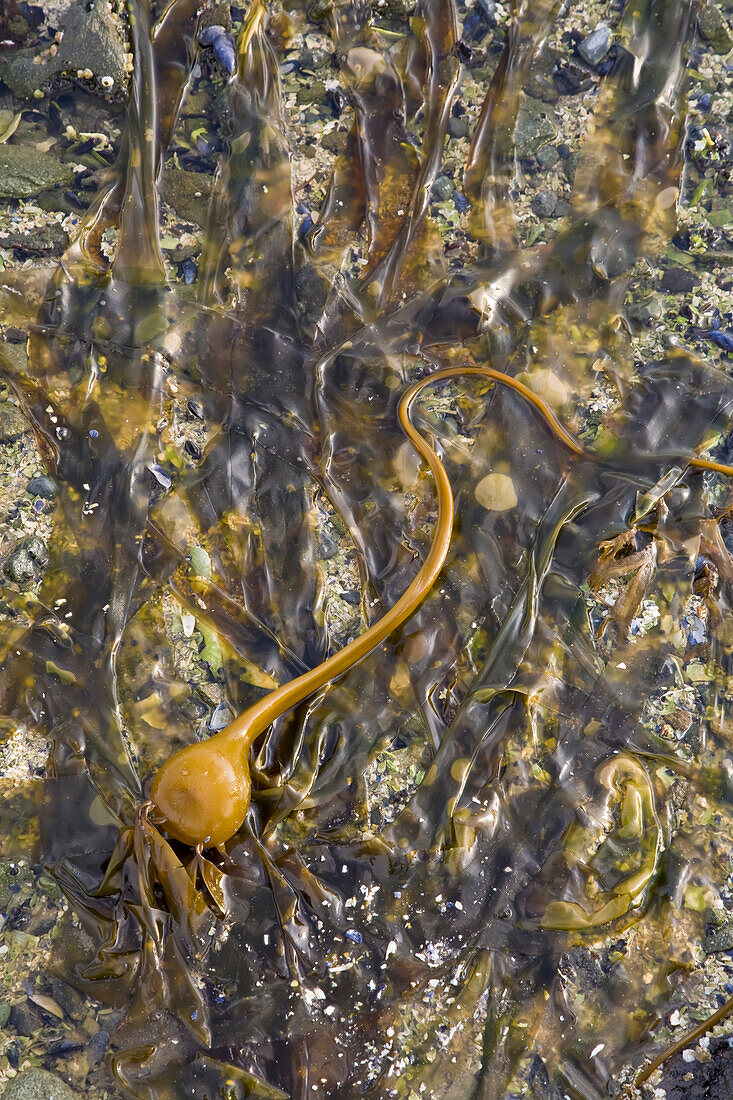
column 203, row 791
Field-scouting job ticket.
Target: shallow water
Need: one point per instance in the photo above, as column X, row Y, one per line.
column 550, row 834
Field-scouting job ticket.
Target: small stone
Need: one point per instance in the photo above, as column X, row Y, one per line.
column 496, row 493
column 334, row 141
column 221, row 717
column 595, row 47
column 12, row 422
column 570, row 166
column 569, row 79
column 443, row 188
column 38, row 1084
column 539, row 86
column 97, row 1047
column 678, row 280
column 27, row 562
column 312, row 92
column 314, row 59
column 715, row 28
column 544, row 202
column 646, row 310
column 548, row 157
column 461, row 203
column 327, row 547
column 42, row 486
column 194, row 409
column 547, row 385
column 26, row 1019
column 458, row 128
column 533, row 130
column 351, row 597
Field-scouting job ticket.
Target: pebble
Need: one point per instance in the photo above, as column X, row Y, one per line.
column 443, row 188
column 548, row 157
column 460, row 202
column 221, row 717
column 595, row 47
column 458, row 128
column 715, row 28
column 327, row 547
column 27, row 562
column 678, row 280
column 532, row 131
column 12, row 422
column 42, row 486
column 496, row 493
column 544, row 203
column 194, row 409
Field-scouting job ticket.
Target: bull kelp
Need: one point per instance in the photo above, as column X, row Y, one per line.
column 381, row 628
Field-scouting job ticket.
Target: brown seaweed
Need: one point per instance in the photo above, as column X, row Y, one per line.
column 282, row 963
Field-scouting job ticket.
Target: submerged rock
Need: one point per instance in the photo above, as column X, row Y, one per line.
column 188, row 193
column 715, row 29
column 38, row 1084
column 595, row 47
column 24, row 172
column 26, row 563
column 92, row 48
column 533, row 130
column 12, row 422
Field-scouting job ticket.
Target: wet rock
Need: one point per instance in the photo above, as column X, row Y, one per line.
column 65, row 995
column 570, row 166
column 38, row 1084
column 25, row 172
column 544, row 202
column 327, row 547
column 334, row 141
column 27, row 562
column 312, row 92
column 188, row 193
column 533, row 130
column 595, row 47
column 679, row 280
column 570, row 79
column 548, row 157
column 646, row 310
column 48, row 240
column 458, row 128
column 26, row 1019
column 314, row 59
column 720, row 939
column 539, row 86
column 92, row 43
column 715, row 29
column 97, row 1047
column 443, row 188
column 12, row 422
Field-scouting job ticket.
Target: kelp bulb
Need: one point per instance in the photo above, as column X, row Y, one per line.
column 203, row 792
